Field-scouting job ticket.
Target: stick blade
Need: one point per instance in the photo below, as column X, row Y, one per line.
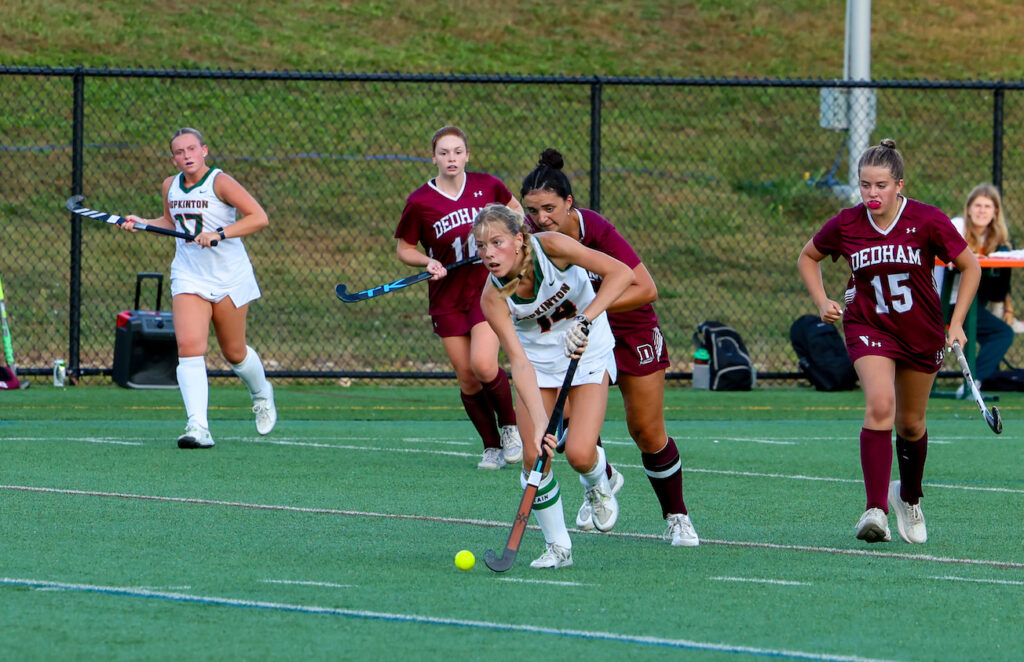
column 342, row 293
column 74, row 202
column 502, row 563
column 995, row 421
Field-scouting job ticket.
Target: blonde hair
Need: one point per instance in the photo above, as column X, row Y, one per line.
column 510, row 221
column 884, row 155
column 997, row 234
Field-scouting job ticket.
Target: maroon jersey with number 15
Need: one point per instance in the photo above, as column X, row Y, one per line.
column 892, row 269
column 444, row 226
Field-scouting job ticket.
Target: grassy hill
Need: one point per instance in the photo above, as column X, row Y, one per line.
column 932, row 39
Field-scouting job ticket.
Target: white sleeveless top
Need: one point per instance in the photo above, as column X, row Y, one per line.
column 541, row 321
column 198, row 209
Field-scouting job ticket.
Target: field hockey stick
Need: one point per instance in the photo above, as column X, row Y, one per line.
column 74, row 206
column 8, row 345
column 515, row 537
column 342, row 290
column 994, row 420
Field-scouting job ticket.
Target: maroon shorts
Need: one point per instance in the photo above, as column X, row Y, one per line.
column 641, row 353
column 863, row 340
column 457, row 324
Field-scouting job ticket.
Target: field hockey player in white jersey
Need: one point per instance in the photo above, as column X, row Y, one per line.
column 539, row 301
column 211, row 282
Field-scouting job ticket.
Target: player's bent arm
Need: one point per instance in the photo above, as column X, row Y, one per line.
column 524, row 377
column 408, row 254
column 252, row 217
column 516, row 206
column 615, row 275
column 642, row 292
column 970, row 277
column 809, row 265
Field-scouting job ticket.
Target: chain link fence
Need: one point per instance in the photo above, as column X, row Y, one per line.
column 716, row 183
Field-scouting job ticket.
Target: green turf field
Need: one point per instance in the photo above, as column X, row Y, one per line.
column 334, row 537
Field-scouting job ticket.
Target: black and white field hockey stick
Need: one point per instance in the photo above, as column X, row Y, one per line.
column 515, row 537
column 342, row 290
column 75, row 207
column 994, row 420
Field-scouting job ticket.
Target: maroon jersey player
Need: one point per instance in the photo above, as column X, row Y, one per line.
column 439, row 217
column 893, row 327
column 640, row 352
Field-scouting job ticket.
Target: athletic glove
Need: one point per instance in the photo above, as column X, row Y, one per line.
column 576, row 336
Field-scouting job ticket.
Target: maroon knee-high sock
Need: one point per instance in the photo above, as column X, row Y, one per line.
column 482, row 416
column 876, row 462
column 665, row 471
column 910, row 455
column 499, row 393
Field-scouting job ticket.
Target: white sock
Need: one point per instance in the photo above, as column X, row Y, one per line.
column 250, row 371
column 598, row 473
column 195, row 389
column 547, row 508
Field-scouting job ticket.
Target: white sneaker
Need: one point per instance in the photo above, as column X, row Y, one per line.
column 554, row 556
column 266, row 412
column 196, row 436
column 604, row 508
column 585, row 518
column 511, row 444
column 680, row 528
column 1017, row 326
column 491, row 459
column 873, row 526
column 909, row 518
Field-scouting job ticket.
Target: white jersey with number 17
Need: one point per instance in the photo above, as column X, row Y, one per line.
column 197, row 209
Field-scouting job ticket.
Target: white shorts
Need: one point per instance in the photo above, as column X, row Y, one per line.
column 589, row 371
column 241, row 293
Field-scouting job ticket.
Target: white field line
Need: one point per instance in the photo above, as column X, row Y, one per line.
column 684, row 644
column 549, row 582
column 1007, row 582
column 779, row 582
column 306, row 583
column 493, row 524
column 88, row 440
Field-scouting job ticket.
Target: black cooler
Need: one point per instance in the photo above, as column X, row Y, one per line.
column 145, row 352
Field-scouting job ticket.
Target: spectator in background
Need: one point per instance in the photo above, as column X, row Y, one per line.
column 984, row 228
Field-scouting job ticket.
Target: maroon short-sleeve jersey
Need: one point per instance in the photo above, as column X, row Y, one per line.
column 894, row 287
column 443, row 225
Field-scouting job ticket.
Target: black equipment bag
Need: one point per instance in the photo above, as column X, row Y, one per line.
column 731, row 367
column 822, row 354
column 145, row 349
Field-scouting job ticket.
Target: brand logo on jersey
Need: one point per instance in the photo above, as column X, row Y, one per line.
column 478, row 194
column 897, row 254
column 869, row 342
column 909, row 230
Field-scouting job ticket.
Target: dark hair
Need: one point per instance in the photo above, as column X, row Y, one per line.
column 548, row 176
column 884, row 155
column 448, row 131
column 188, row 131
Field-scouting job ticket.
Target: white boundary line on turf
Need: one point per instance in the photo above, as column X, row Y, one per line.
column 492, row 524
column 88, row 440
column 684, row 644
column 549, row 582
column 951, row 578
column 720, row 472
column 780, row 582
column 302, row 583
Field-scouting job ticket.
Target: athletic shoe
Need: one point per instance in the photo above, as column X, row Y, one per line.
column 585, row 518
column 491, row 460
column 909, row 518
column 511, row 444
column 681, row 530
column 873, row 526
column 554, row 556
column 196, row 436
column 603, row 507
column 266, row 412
